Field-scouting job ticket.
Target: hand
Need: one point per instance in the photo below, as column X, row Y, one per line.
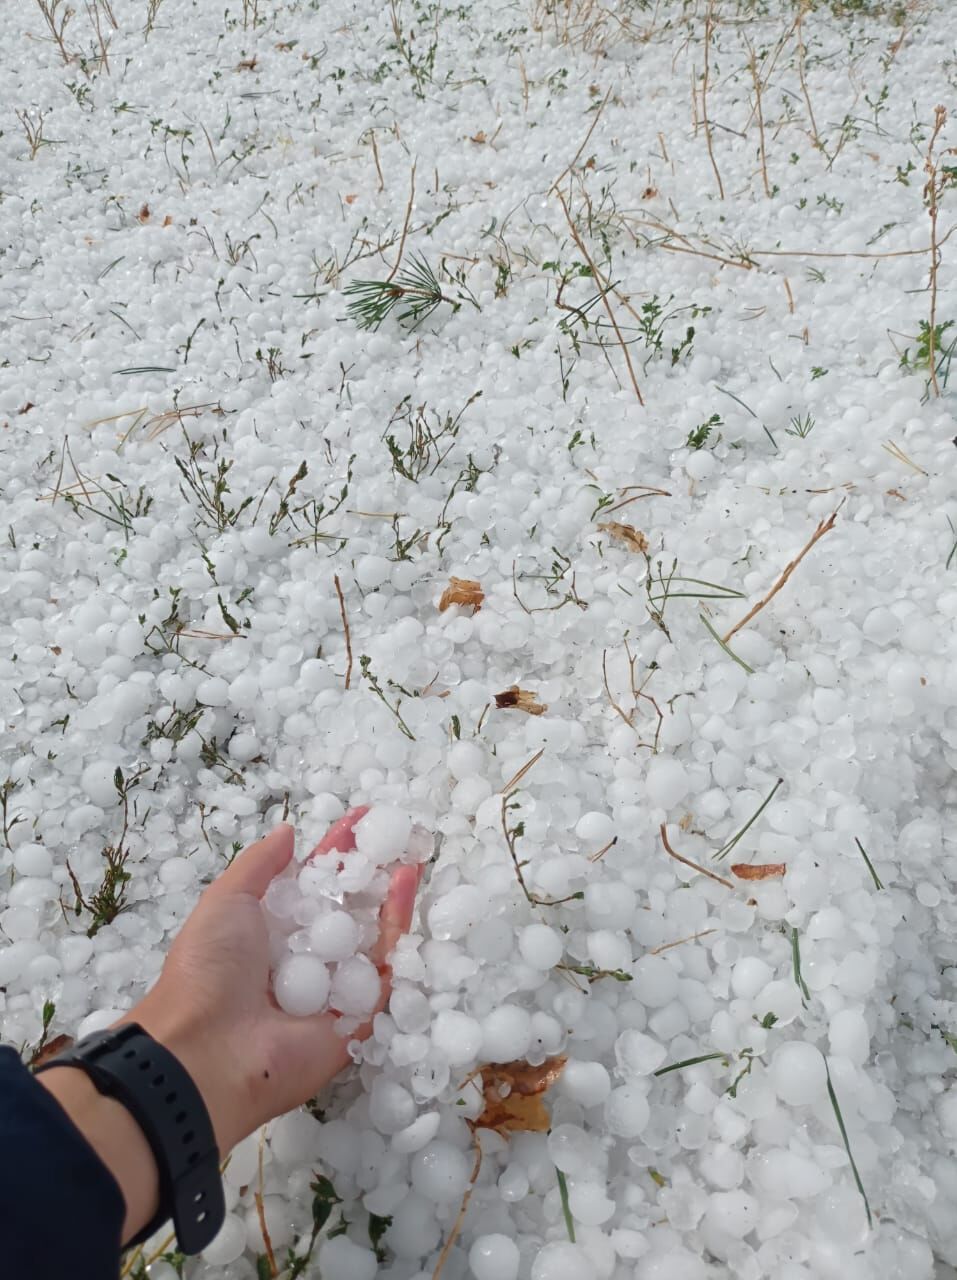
column 213, row 1006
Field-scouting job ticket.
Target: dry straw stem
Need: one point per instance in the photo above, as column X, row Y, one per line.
column 759, row 112
column 93, row 12
column 932, row 192
column 799, row 28
column 695, row 866
column 825, row 526
column 708, row 28
column 529, row 764
column 57, row 15
column 457, row 1226
column 405, row 225
column 574, row 160
column 375, row 156
column 602, row 289
column 260, row 1210
column 693, row 937
column 345, row 627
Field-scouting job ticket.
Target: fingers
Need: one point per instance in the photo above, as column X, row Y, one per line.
column 339, row 837
column 395, row 918
column 252, row 871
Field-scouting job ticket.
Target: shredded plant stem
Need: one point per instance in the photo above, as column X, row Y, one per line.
column 824, row 527
column 457, row 1226
column 688, row 863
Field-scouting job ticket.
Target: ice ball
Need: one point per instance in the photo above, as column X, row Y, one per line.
column 494, row 1257
column 341, row 1259
column 383, row 833
column 356, row 986
column 541, row 946
column 506, row 1033
column 302, row 985
column 627, row 1111
column 562, row 1260
column 666, row 782
column 440, row 1172
column 798, row 1073
column 457, row 1036
column 334, row 936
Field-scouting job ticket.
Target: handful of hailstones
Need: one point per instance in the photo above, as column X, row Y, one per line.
column 323, row 918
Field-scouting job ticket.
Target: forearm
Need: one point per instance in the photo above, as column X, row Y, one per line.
column 115, row 1137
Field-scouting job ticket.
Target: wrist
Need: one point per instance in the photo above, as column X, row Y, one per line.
column 209, row 1065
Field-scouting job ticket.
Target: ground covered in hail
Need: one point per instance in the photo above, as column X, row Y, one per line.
column 636, row 320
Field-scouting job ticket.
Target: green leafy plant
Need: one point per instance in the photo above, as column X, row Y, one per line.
column 918, row 359
column 698, row 437
column 109, row 900
column 800, row 426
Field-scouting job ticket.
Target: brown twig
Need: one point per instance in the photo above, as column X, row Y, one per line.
column 825, row 526
column 405, row 225
column 591, row 129
column 799, row 28
column 604, row 295
column 708, row 22
column 457, row 1226
column 759, row 111
column 260, row 1210
column 597, row 857
column 529, row 764
column 688, row 863
column 375, row 156
column 681, row 941
column 345, row 627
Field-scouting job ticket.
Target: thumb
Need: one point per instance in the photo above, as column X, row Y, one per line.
column 258, row 865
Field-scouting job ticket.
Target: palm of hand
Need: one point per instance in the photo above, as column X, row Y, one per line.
column 255, row 1061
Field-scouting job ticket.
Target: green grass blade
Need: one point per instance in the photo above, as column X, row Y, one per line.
column 796, row 959
column 870, row 866
column 847, row 1145
column 566, row 1211
column 733, row 656
column 726, row 849
column 691, row 1062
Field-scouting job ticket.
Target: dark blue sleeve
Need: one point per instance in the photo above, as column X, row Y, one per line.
column 61, row 1211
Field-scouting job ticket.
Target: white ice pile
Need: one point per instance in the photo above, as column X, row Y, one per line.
column 228, row 515
column 323, row 918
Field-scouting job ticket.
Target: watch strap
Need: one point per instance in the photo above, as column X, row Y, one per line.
column 127, row 1064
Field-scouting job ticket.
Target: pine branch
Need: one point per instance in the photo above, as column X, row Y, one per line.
column 414, row 293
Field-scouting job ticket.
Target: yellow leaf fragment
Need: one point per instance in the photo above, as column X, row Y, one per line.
column 626, row 534
column 757, row 871
column 513, row 1096
column 521, row 700
column 462, row 591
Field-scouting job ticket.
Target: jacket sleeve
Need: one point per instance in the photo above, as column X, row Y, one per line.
column 61, row 1211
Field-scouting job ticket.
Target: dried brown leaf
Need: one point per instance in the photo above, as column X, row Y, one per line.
column 462, row 591
column 627, row 534
column 144, row 213
column 522, row 1108
column 521, row 700
column 758, row 871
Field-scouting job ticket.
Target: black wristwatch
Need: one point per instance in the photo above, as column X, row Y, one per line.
column 129, row 1065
